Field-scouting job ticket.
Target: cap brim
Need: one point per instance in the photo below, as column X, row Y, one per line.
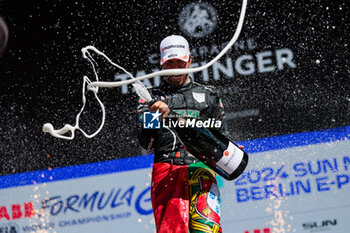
column 175, row 58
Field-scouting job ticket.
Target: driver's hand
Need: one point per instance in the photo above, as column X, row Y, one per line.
column 161, row 107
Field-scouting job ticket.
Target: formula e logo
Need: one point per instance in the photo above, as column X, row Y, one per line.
column 151, row 120
column 198, row 19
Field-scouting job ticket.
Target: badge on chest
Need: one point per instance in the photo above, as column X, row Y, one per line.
column 199, row 97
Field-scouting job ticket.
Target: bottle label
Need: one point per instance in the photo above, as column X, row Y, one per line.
column 231, row 158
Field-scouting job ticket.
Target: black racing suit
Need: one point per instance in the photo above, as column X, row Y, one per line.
column 182, row 187
column 191, row 100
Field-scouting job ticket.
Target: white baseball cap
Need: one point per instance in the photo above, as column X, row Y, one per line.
column 174, row 47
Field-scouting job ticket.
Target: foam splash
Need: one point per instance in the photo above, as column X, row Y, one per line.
column 141, row 90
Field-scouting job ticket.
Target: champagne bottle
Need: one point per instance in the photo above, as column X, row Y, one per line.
column 210, row 146
column 213, row 149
